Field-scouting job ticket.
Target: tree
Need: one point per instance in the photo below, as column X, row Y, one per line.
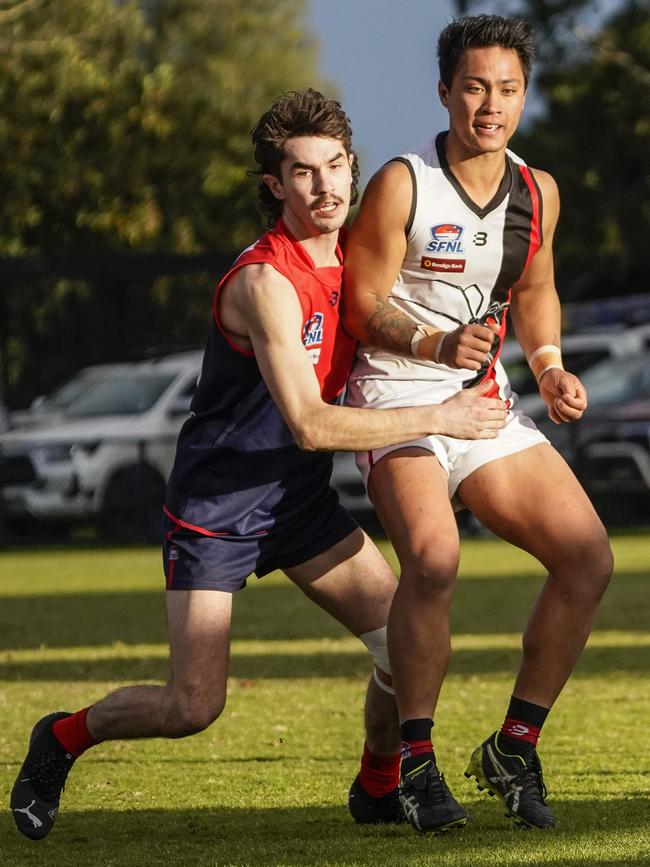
column 593, row 135
column 125, row 124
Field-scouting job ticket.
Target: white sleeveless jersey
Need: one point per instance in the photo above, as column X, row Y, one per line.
column 460, row 263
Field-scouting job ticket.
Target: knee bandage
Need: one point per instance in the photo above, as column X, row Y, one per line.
column 375, row 641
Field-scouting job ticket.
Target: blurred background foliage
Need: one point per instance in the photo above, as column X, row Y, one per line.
column 124, row 133
column 592, row 133
column 124, row 153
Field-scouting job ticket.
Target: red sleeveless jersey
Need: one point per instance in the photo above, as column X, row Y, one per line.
column 330, row 349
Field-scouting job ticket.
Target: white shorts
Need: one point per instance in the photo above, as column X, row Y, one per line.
column 459, row 458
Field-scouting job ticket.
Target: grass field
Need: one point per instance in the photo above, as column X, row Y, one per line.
column 267, row 784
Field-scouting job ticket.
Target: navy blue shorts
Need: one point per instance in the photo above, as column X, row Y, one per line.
column 195, row 560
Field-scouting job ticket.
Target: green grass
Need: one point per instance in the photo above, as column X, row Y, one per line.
column 267, row 784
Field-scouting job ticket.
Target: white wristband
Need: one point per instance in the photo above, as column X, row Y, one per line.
column 545, row 358
column 436, row 354
column 423, row 331
column 419, row 334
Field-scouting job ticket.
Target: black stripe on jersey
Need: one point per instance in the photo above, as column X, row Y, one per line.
column 414, row 195
column 516, row 235
column 497, row 198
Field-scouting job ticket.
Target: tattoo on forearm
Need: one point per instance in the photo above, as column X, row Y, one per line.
column 389, row 328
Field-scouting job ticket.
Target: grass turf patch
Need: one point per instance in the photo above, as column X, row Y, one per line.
column 267, row 783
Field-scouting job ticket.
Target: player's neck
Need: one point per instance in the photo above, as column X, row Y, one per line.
column 479, row 174
column 321, row 246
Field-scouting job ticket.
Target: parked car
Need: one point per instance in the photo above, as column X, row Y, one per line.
column 580, row 352
column 610, row 384
column 106, row 459
column 612, row 460
column 610, row 447
column 49, row 408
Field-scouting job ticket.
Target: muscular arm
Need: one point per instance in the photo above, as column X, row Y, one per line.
column 375, row 251
column 260, row 309
column 535, row 311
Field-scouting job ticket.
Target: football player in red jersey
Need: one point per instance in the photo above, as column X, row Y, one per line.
column 249, row 491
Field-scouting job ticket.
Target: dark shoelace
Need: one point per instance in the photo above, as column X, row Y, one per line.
column 437, row 789
column 532, row 779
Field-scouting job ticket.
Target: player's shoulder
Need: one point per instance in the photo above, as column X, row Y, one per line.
column 546, row 182
column 256, row 282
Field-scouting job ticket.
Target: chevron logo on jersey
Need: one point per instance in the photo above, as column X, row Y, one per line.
column 446, row 238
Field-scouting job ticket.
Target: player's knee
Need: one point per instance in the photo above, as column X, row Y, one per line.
column 588, row 567
column 433, row 573
column 192, row 713
column 601, row 566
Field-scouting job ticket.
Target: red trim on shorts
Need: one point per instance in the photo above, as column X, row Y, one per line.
column 170, row 573
column 188, row 526
column 370, row 459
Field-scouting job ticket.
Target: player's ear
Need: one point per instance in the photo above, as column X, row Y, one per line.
column 275, row 185
column 443, row 93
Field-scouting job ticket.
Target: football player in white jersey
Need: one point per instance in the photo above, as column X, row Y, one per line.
column 447, row 242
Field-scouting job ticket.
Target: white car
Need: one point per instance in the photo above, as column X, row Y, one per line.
column 49, row 408
column 580, row 352
column 107, row 458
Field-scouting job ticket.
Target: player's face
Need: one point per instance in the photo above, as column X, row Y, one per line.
column 485, row 100
column 315, row 185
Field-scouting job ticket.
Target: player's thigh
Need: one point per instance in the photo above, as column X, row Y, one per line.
column 533, row 500
column 351, row 581
column 408, row 488
column 198, row 623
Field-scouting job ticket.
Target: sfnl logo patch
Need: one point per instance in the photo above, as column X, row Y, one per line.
column 312, row 336
column 446, row 238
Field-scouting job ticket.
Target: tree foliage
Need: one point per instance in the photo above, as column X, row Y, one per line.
column 593, row 135
column 125, row 124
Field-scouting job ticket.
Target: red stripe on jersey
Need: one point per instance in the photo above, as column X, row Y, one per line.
column 535, row 241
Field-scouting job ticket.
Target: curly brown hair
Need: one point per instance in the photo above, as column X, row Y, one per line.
column 297, row 113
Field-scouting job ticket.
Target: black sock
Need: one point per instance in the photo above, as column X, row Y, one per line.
column 416, row 743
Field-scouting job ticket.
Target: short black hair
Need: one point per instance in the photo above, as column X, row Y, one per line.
column 295, row 114
column 484, row 31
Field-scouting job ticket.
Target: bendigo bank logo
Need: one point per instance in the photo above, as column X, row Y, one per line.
column 312, row 336
column 445, row 239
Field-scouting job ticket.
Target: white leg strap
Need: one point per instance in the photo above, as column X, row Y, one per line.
column 381, row 684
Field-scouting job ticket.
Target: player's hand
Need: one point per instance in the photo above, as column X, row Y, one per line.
column 469, row 415
column 468, row 346
column 563, row 394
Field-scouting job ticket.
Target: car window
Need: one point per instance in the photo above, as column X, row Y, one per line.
column 122, row 394
column 617, row 381
column 72, row 389
column 577, row 360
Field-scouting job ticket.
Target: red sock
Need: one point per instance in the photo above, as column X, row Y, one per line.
column 379, row 775
column 72, row 733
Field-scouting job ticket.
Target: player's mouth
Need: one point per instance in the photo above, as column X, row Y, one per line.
column 326, row 209
column 484, row 128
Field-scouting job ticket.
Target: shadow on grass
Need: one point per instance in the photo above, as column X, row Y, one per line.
column 486, row 605
column 465, row 662
column 317, row 835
